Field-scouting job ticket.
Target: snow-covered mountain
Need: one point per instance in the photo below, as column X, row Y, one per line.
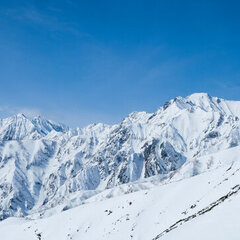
column 19, row 127
column 46, row 167
column 205, row 206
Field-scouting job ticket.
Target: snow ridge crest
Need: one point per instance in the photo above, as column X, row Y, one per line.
column 44, row 164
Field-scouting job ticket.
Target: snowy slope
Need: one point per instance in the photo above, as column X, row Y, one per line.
column 205, row 206
column 46, row 167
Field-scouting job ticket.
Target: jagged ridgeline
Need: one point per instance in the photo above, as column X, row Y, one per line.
column 43, row 164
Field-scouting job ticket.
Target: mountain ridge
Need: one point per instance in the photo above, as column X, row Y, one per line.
column 44, row 164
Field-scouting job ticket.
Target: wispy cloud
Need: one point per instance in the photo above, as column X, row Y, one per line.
column 49, row 18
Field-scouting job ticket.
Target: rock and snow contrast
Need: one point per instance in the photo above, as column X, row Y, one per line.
column 173, row 174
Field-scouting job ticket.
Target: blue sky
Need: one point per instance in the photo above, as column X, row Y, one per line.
column 80, row 62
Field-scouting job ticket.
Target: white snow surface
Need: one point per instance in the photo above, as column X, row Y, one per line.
column 150, row 211
column 172, row 174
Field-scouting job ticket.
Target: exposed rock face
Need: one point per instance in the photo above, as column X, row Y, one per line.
column 43, row 163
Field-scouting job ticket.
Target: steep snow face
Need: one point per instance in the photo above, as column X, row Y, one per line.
column 44, row 164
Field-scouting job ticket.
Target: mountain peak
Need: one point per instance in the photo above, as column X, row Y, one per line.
column 20, row 115
column 19, row 127
column 199, row 95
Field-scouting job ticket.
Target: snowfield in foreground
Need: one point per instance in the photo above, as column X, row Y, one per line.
column 205, row 206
